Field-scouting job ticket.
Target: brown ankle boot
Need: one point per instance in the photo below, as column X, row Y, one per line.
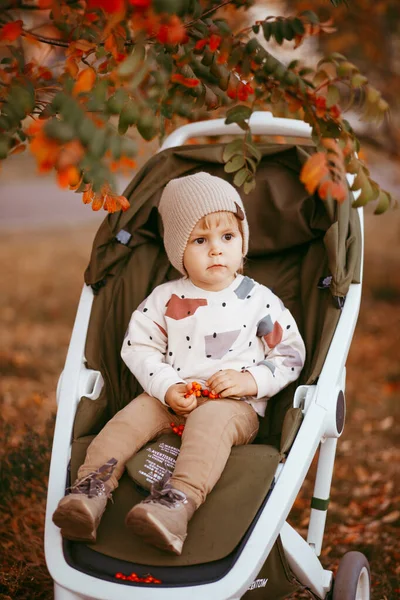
column 79, row 513
column 162, row 518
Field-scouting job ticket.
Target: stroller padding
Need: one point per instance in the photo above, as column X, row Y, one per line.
column 216, row 528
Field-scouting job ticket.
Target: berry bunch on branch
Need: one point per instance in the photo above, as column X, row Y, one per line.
column 76, row 88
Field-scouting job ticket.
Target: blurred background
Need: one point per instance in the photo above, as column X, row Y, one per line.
column 45, row 242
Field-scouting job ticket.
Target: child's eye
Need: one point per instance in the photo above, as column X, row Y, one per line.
column 199, row 240
column 228, row 236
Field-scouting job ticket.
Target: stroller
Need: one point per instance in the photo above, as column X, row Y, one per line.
column 239, row 544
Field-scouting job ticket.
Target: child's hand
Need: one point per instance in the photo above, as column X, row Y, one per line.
column 233, row 383
column 175, row 398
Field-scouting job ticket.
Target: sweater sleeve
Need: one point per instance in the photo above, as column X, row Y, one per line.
column 284, row 351
column 145, row 345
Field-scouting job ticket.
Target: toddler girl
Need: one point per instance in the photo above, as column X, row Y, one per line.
column 214, row 326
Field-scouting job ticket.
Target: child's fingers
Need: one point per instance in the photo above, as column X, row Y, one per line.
column 188, row 409
column 213, row 380
column 184, row 402
column 221, row 384
column 228, row 392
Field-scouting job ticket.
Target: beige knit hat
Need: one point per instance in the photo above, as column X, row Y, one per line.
column 186, row 200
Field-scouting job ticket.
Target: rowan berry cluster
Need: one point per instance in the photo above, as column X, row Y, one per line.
column 178, row 429
column 198, row 391
column 135, row 577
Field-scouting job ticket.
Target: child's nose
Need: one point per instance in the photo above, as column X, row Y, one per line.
column 215, row 248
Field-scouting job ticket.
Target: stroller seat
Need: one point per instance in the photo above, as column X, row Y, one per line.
column 308, row 253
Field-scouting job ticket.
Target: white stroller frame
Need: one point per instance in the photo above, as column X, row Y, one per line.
column 319, row 402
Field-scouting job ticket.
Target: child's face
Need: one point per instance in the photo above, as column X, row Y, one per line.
column 213, row 253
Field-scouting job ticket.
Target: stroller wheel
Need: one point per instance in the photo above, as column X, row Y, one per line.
column 352, row 581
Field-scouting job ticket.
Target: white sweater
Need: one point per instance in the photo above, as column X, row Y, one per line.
column 182, row 333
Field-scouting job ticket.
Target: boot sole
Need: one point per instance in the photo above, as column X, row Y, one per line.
column 75, row 521
column 154, row 532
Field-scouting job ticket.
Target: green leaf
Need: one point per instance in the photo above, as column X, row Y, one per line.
column 320, row 77
column 147, row 126
column 293, row 64
column 277, row 32
column 129, row 146
column 116, row 147
column 23, row 97
column 270, row 64
column 310, row 16
column 298, row 26
column 232, row 148
column 129, row 116
column 254, row 151
column 384, row 201
column 59, row 130
column 358, row 80
column 4, row 146
column 249, row 185
column 346, row 68
column 240, row 177
column 115, row 104
column 223, row 26
column 252, row 163
column 267, row 30
column 132, row 62
column 337, row 56
column 333, row 96
column 237, row 113
column 98, row 143
column 86, row 131
column 236, row 163
column 288, row 30
column 251, row 46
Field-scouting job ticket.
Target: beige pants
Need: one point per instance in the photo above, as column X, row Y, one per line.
column 210, row 432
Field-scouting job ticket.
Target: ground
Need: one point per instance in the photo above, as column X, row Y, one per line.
column 42, row 275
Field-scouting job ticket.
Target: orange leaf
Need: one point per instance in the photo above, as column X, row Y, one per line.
column 85, row 81
column 186, row 81
column 111, row 46
column 325, row 189
column 11, row 31
column 97, row 202
column 173, row 32
column 109, row 203
column 70, row 176
column 70, row 154
column 88, row 196
column 215, row 41
column 71, row 67
column 123, row 202
column 201, row 43
column 339, row 191
column 18, row 149
column 109, row 6
column 82, row 46
column 314, row 170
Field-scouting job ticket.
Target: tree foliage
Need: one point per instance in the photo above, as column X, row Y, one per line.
column 119, row 66
column 368, row 33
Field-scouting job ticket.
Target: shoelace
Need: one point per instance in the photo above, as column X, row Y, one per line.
column 163, row 493
column 94, row 484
